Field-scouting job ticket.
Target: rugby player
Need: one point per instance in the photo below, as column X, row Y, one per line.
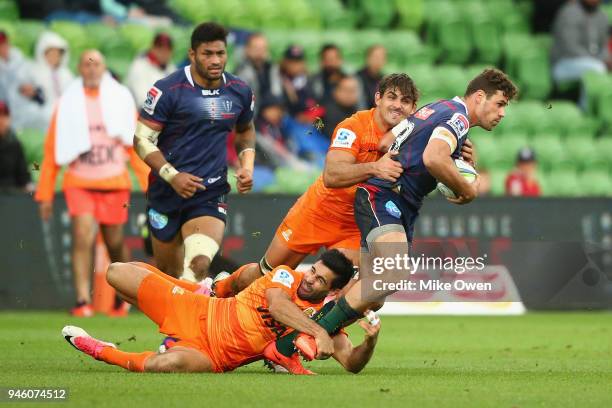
column 218, row 335
column 323, row 215
column 181, row 135
column 385, row 212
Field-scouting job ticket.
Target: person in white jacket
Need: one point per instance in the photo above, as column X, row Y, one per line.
column 150, row 67
column 50, row 72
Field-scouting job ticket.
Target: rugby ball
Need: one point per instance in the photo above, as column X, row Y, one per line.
column 468, row 173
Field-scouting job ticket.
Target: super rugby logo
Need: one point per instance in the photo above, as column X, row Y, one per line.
column 153, row 97
column 344, row 138
column 283, row 277
column 460, row 124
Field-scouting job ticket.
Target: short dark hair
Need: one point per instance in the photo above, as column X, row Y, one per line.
column 402, row 82
column 490, row 81
column 340, row 265
column 327, row 47
column 208, row 32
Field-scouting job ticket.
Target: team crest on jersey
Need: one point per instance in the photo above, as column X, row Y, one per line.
column 459, row 124
column 283, row 277
column 344, row 138
column 424, row 113
column 153, row 97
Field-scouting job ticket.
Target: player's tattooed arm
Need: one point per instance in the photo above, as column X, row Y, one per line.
column 341, row 169
column 352, row 358
column 437, row 159
column 245, row 147
column 283, row 310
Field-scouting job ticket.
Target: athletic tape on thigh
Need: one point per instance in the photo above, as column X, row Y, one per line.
column 382, row 230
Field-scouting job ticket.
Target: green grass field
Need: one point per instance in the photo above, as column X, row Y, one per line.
column 537, row 360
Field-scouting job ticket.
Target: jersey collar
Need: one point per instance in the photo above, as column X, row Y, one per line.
column 190, row 79
column 459, row 100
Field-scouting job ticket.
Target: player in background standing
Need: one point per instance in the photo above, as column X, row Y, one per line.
column 181, row 135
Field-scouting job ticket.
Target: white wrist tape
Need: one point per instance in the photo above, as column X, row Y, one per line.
column 167, row 172
column 372, row 317
column 146, row 140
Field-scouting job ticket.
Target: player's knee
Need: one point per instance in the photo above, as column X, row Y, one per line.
column 114, row 273
column 200, row 265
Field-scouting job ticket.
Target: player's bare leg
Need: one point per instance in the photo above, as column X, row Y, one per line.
column 169, row 255
column 114, row 241
column 202, row 237
column 277, row 254
column 83, row 236
column 179, row 360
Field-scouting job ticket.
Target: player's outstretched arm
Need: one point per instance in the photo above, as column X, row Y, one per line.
column 284, row 311
column 245, row 147
column 354, row 359
column 342, row 171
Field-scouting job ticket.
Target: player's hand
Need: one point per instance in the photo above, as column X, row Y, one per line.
column 469, row 196
column 388, row 169
column 186, row 184
column 467, row 152
column 371, row 331
column 45, row 209
column 244, row 180
column 325, row 345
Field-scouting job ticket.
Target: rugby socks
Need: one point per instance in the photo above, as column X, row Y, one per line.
column 129, row 361
column 225, row 287
column 190, row 286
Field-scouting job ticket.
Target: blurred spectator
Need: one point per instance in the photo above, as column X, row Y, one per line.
column 298, row 98
column 273, row 149
column 580, row 42
column 544, row 12
column 342, row 105
column 91, row 132
column 18, row 88
column 150, row 67
column 258, row 71
column 50, row 71
column 522, row 180
column 14, row 174
column 371, row 74
column 324, row 82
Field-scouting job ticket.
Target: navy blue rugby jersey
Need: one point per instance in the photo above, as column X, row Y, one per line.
column 196, row 122
column 416, row 182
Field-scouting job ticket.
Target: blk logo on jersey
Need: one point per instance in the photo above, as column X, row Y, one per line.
column 210, row 92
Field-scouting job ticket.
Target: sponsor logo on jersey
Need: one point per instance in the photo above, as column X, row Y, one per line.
column 459, row 124
column 344, row 138
column 157, row 220
column 153, row 97
column 210, row 92
column 283, row 277
column 401, row 138
column 310, row 311
column 177, row 290
column 287, row 234
column 392, row 209
column 424, row 113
